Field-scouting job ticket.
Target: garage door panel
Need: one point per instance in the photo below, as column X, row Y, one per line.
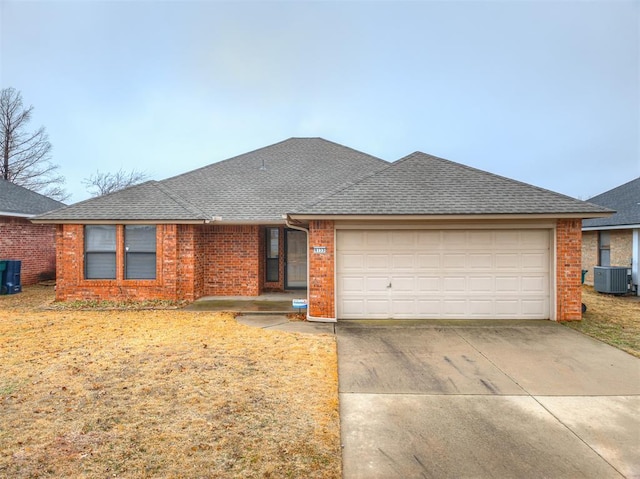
column 377, row 239
column 454, row 284
column 376, row 284
column 352, row 284
column 507, row 284
column 401, row 241
column 378, row 307
column 428, row 308
column 403, row 284
column 507, row 308
column 354, row 308
column 429, row 284
column 403, row 307
column 533, row 307
column 480, row 308
column 454, row 261
column 536, row 261
column 480, row 238
column 377, row 262
column 352, row 261
column 428, row 261
column 454, row 307
column 445, row 273
column 482, row 284
column 480, row 260
column 403, row 262
column 505, row 240
column 451, row 239
column 535, row 284
column 428, row 239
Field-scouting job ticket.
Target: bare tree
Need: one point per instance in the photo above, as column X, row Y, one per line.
column 26, row 155
column 100, row 184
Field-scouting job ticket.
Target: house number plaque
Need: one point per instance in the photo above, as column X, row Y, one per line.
column 320, row 249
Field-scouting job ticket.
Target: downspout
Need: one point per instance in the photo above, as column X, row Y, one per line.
column 309, row 317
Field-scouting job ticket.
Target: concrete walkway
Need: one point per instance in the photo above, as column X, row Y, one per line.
column 282, row 323
column 485, row 399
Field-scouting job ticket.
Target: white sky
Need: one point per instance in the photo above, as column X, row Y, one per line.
column 546, row 92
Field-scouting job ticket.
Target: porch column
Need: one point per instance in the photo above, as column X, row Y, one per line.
column 568, row 270
column 322, row 270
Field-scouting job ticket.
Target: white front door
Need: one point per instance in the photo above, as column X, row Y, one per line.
column 443, row 274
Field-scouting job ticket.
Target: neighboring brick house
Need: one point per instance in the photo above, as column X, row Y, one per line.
column 421, row 237
column 615, row 240
column 33, row 245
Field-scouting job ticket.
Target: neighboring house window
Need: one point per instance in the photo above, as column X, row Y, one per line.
column 604, row 248
column 273, row 243
column 140, row 252
column 100, row 252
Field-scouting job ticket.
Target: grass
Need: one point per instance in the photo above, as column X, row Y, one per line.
column 171, row 394
column 614, row 320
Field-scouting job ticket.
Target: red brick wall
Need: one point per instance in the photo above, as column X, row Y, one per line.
column 71, row 284
column 321, row 269
column 569, row 270
column 33, row 245
column 193, row 261
column 232, row 260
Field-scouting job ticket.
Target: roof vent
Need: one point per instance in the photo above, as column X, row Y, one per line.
column 264, row 165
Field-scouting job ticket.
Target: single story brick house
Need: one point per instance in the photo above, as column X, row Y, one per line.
column 33, row 245
column 615, row 240
column 422, row 237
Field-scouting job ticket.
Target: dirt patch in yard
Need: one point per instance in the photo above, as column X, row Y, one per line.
column 614, row 320
column 167, row 393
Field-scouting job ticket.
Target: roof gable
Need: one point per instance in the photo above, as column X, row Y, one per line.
column 21, row 201
column 624, row 199
column 421, row 184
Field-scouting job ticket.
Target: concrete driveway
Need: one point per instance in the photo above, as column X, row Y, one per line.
column 485, row 399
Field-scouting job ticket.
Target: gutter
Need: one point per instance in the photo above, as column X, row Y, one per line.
column 17, row 215
column 309, row 317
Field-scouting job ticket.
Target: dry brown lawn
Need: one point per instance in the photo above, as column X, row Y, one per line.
column 614, row 320
column 165, row 393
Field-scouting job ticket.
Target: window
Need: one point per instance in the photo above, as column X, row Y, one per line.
column 273, row 254
column 604, row 248
column 100, row 252
column 140, row 252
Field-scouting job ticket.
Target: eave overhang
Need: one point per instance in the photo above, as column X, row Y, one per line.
column 533, row 216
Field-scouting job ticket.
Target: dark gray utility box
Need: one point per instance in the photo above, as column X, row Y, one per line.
column 611, row 279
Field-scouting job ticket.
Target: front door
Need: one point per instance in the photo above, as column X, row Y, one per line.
column 295, row 259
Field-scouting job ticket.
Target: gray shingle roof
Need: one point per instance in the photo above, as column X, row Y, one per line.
column 147, row 201
column 625, row 200
column 421, row 184
column 260, row 186
column 19, row 200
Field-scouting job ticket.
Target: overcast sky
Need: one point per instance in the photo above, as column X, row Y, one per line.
column 546, row 92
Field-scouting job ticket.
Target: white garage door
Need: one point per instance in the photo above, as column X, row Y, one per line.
column 443, row 274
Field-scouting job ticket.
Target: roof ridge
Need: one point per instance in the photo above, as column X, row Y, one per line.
column 348, row 148
column 176, row 197
column 219, row 162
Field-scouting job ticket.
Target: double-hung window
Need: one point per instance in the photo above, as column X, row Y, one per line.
column 604, row 248
column 100, row 251
column 140, row 252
